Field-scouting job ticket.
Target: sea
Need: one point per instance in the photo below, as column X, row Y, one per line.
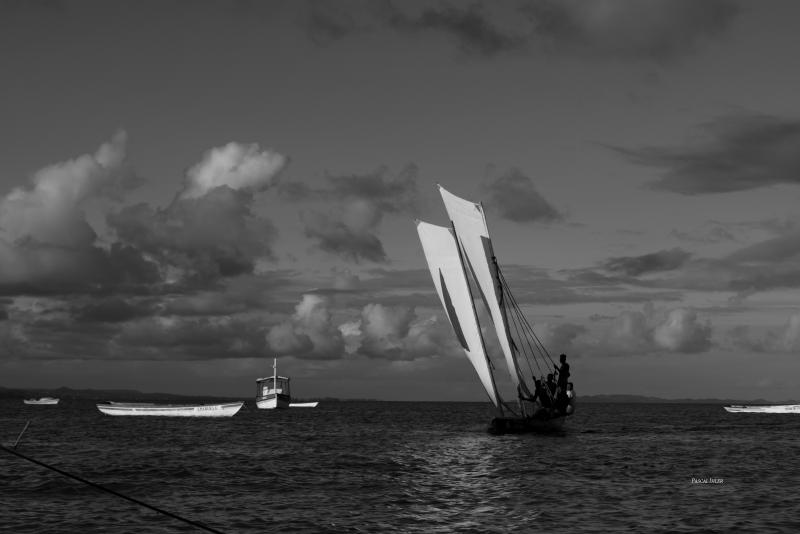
column 397, row 467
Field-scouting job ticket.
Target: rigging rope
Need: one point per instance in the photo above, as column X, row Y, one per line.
column 521, row 323
column 102, row 488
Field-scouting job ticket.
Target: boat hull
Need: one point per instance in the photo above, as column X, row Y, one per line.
column 303, row 404
column 171, row 410
column 272, row 402
column 525, row 425
column 782, row 408
column 45, row 401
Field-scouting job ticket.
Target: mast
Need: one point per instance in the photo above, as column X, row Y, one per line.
column 475, row 313
column 275, row 378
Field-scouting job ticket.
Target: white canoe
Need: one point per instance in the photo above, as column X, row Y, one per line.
column 171, row 410
column 43, row 400
column 778, row 408
column 303, row 405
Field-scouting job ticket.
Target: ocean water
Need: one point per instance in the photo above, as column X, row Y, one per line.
column 403, row 467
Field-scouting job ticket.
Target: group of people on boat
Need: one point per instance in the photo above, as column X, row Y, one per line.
column 553, row 396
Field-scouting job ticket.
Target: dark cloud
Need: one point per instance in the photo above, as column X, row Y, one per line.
column 112, row 310
column 515, row 198
column 742, row 152
column 332, row 21
column 212, row 236
column 349, row 228
column 663, row 260
column 192, row 338
column 659, row 30
column 46, row 242
column 785, row 339
column 469, row 25
column 350, row 240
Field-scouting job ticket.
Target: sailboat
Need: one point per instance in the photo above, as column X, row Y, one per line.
column 464, row 251
column 274, row 392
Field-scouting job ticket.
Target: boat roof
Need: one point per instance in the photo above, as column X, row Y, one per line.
column 271, row 377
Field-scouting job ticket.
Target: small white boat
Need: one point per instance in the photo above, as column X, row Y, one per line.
column 171, row 410
column 303, row 404
column 776, row 408
column 42, row 400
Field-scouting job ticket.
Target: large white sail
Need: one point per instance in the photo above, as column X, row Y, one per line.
column 473, row 235
column 449, row 278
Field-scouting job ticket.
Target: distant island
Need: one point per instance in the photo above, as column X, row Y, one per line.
column 134, row 395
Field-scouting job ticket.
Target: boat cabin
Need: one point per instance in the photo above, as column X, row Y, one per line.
column 271, row 385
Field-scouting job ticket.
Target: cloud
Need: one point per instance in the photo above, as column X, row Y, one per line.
column 348, row 234
column 349, row 228
column 309, row 333
column 659, row 30
column 785, row 339
column 515, row 198
column 663, row 260
column 741, row 152
column 633, row 333
column 470, row 26
column 238, row 166
column 681, row 332
column 203, row 238
column 195, row 338
column 46, row 243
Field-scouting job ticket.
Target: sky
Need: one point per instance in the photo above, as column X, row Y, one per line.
column 189, row 189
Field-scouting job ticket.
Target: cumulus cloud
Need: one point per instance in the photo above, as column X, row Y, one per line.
column 515, row 198
column 663, row 260
column 785, row 339
column 636, row 333
column 204, row 238
column 681, row 332
column 658, row 30
column 310, row 333
column 195, row 338
column 236, row 165
column 46, row 243
column 349, row 229
column 740, row 152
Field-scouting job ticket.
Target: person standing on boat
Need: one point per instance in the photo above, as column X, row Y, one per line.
column 563, row 373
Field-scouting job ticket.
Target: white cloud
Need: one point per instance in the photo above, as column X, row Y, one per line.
column 235, row 165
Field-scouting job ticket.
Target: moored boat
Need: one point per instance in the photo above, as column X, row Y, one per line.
column 227, row 409
column 303, row 404
column 42, row 400
column 273, row 391
column 755, row 408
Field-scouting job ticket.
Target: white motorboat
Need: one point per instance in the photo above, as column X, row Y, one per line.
column 755, row 408
column 42, row 400
column 273, row 391
column 303, row 404
column 171, row 410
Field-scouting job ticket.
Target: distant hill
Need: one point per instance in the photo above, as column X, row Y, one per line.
column 97, row 394
column 641, row 399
